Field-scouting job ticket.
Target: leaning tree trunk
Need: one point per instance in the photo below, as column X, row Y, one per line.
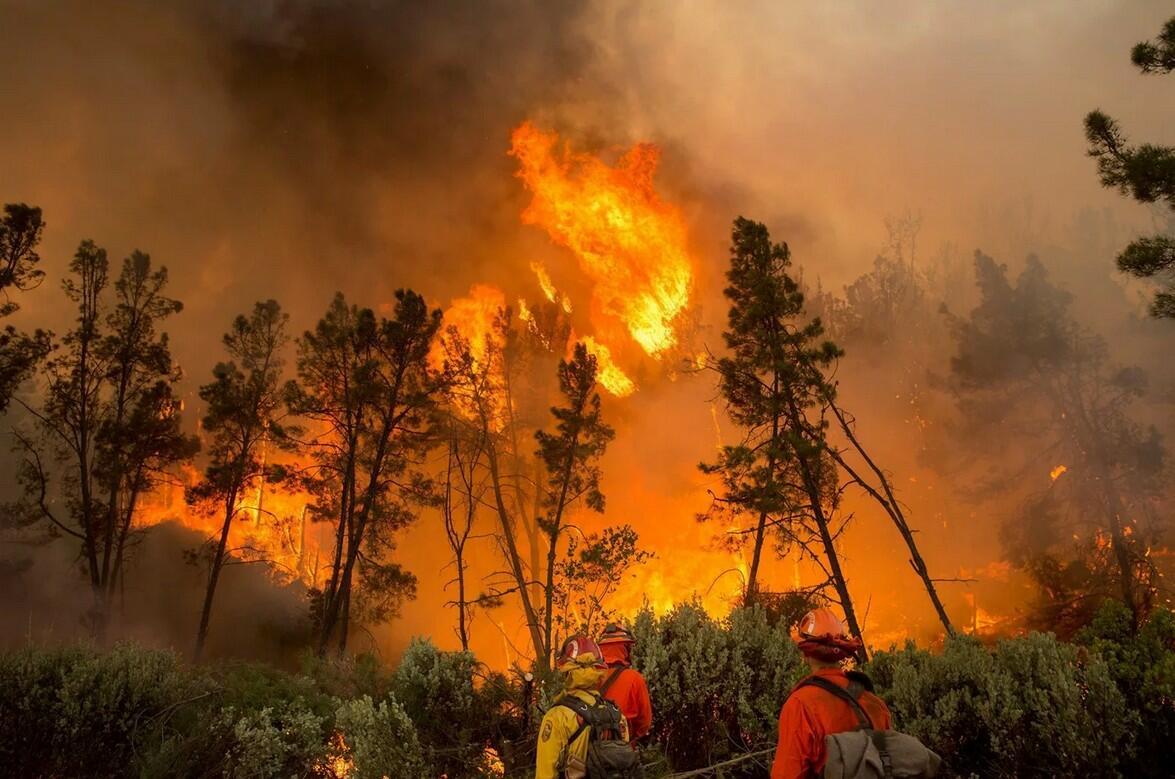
column 889, row 502
column 751, row 593
column 514, row 560
column 752, row 585
column 230, row 509
column 839, row 582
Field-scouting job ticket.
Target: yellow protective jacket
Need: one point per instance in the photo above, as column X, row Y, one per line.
column 556, row 759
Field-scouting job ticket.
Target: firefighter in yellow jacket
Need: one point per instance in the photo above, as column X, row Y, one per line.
column 563, row 741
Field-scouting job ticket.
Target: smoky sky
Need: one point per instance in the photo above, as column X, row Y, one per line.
column 280, row 149
column 290, row 149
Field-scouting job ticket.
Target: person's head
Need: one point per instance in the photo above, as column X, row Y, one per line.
column 823, row 639
column 616, row 643
column 581, row 662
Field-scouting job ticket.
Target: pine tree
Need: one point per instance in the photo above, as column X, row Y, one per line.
column 242, row 412
column 1146, row 173
column 365, row 386
column 570, row 455
column 20, row 233
column 108, row 430
column 773, row 383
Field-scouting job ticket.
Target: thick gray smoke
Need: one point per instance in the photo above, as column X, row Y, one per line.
column 291, row 149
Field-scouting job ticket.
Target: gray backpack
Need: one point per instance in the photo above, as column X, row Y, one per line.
column 608, row 755
column 866, row 753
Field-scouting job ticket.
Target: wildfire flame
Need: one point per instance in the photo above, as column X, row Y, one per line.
column 474, row 318
column 629, row 242
column 270, row 525
column 548, row 287
column 608, row 374
column 1058, row 471
column 339, row 762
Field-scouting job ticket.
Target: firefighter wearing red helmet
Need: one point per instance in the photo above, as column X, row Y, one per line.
column 624, row 685
column 811, row 713
column 564, row 734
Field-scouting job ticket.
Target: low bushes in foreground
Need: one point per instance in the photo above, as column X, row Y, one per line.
column 134, row 712
column 1101, row 706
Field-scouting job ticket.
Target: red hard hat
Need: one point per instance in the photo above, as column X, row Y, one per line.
column 580, row 650
column 617, row 634
column 821, row 634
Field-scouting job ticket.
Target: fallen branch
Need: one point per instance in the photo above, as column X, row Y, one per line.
column 724, row 764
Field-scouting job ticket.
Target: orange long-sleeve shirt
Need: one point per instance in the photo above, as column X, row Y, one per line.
column 630, row 693
column 808, row 715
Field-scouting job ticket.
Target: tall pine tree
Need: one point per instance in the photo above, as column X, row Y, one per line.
column 773, row 382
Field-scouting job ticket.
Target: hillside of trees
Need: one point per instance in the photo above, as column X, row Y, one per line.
column 999, row 425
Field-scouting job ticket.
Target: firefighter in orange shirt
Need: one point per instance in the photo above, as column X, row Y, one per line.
column 810, row 713
column 623, row 684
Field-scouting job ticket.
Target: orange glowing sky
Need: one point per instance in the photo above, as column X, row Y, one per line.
column 275, row 150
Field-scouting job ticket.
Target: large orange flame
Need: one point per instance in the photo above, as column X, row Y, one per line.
column 548, row 286
column 629, row 242
column 474, row 317
column 608, row 373
column 270, row 525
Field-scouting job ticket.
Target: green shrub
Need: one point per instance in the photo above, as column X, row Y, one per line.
column 73, row 712
column 348, row 677
column 1028, row 708
column 275, row 741
column 1031, row 706
column 1142, row 666
column 716, row 686
column 381, row 739
column 456, row 718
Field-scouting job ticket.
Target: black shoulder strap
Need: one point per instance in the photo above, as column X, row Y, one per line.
column 608, row 682
column 582, row 710
column 850, row 696
column 862, row 679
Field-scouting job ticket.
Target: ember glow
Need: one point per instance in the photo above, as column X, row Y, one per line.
column 630, row 243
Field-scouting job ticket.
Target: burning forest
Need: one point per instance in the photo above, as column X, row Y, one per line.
column 398, row 390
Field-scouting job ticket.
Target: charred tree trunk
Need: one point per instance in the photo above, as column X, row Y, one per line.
column 355, row 535
column 462, row 605
column 752, row 585
column 751, row 593
column 531, row 524
column 123, row 534
column 346, row 510
column 812, row 484
column 230, row 510
column 390, row 421
column 839, row 583
column 514, row 560
column 345, row 622
column 554, row 530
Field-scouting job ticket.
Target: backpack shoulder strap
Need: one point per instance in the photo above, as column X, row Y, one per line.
column 850, row 696
column 861, row 678
column 611, row 678
column 582, row 710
